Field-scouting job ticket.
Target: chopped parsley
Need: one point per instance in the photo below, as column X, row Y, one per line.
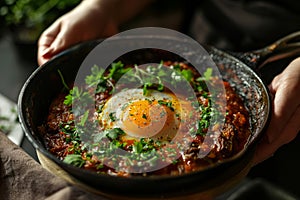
column 114, row 133
column 112, row 116
column 105, row 143
column 74, row 159
column 144, row 116
column 166, row 103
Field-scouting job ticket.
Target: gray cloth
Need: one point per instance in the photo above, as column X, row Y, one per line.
column 21, row 177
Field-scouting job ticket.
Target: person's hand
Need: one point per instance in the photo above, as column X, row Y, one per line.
column 285, row 121
column 89, row 20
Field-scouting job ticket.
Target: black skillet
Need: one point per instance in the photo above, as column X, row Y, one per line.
column 44, row 84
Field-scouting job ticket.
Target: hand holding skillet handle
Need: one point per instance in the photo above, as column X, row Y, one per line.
column 285, row 91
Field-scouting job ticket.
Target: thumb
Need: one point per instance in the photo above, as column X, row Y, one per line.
column 45, row 51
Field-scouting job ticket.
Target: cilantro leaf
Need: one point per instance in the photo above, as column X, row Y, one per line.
column 208, row 73
column 137, row 147
column 97, row 74
column 146, row 87
column 68, row 98
column 166, row 103
column 84, row 118
column 114, row 133
column 74, row 159
column 112, row 116
column 187, row 74
column 117, row 70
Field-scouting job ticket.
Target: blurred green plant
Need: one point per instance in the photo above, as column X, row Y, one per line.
column 34, row 14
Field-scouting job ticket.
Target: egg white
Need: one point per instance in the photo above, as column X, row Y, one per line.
column 163, row 128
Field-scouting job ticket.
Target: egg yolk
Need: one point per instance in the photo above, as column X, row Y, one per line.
column 139, row 113
column 145, row 118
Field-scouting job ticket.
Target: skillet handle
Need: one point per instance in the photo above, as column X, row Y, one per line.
column 286, row 47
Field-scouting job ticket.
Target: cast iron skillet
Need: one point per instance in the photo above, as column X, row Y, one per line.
column 44, row 84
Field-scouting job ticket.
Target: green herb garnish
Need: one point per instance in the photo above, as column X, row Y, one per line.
column 75, row 160
column 187, row 74
column 166, row 103
column 63, row 80
column 137, row 147
column 114, row 133
column 112, row 116
column 84, row 118
column 97, row 74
